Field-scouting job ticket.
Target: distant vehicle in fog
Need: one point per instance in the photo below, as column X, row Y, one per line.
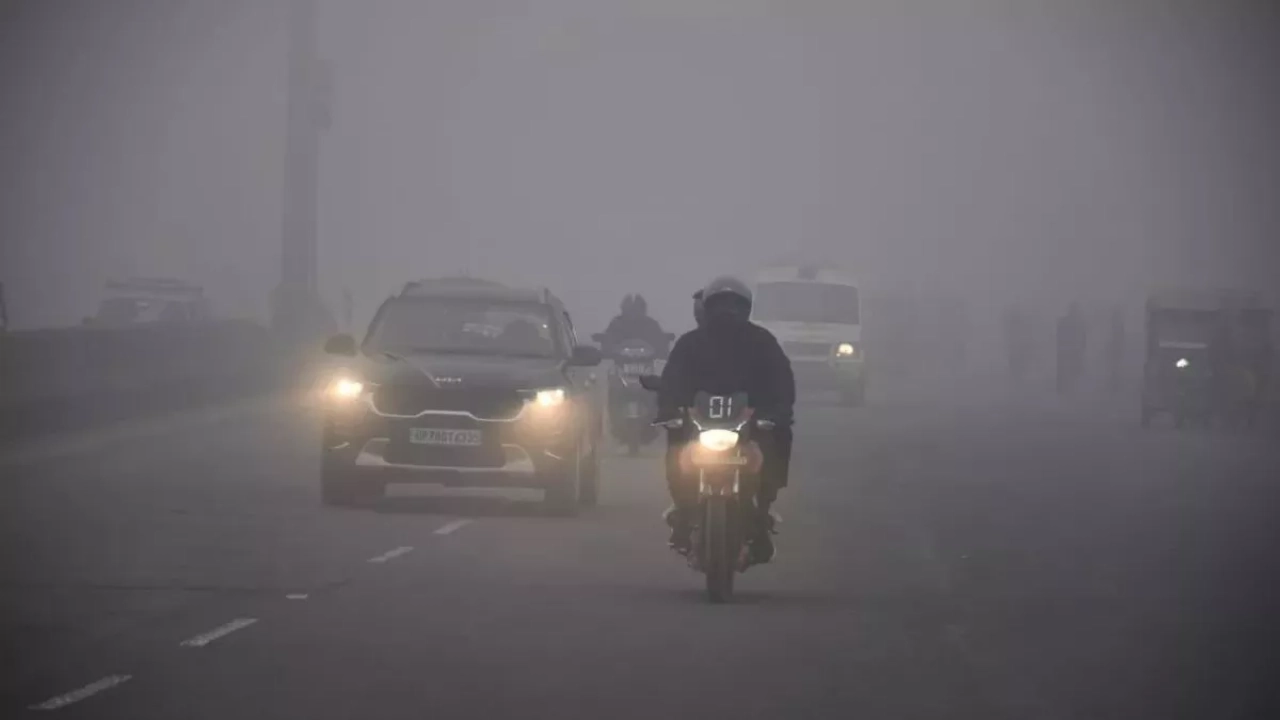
column 146, row 301
column 816, row 315
column 1208, row 355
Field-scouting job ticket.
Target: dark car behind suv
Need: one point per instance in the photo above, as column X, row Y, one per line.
column 463, row 383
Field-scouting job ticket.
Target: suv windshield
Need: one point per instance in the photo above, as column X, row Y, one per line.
column 806, row 302
column 472, row 327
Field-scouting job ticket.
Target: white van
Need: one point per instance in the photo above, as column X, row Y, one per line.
column 815, row 313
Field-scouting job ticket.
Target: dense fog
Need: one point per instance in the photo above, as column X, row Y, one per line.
column 995, row 152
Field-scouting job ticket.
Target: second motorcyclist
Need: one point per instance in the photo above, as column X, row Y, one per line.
column 635, row 323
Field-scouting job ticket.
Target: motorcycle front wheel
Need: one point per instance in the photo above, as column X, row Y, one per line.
column 718, row 548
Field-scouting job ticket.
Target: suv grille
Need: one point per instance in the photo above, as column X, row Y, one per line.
column 807, row 349
column 481, row 402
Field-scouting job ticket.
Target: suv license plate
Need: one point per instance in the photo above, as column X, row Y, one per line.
column 438, row 436
column 635, row 369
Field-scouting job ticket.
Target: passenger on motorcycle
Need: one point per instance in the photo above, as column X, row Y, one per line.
column 634, row 323
column 727, row 353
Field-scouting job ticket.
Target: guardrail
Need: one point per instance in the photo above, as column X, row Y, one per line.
column 72, row 378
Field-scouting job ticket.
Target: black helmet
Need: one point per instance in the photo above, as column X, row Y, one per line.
column 699, row 311
column 639, row 306
column 727, row 295
column 628, row 301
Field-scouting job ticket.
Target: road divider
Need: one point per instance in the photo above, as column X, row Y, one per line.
column 69, row 379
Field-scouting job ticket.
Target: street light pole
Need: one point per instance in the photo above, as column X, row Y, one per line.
column 297, row 305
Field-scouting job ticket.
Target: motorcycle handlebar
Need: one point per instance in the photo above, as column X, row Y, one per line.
column 763, row 423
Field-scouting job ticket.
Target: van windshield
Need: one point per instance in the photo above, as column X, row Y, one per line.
column 806, row 302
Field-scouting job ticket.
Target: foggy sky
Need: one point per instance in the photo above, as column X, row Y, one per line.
column 990, row 150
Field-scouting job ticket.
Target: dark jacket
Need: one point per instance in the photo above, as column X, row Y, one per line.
column 635, row 327
column 742, row 358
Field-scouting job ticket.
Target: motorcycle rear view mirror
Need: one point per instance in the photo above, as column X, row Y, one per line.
column 341, row 345
column 651, row 382
column 598, row 338
column 585, row 356
column 671, row 337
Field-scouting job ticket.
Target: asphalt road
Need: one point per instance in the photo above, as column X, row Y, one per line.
column 968, row 557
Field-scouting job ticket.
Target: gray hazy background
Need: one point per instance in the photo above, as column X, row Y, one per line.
column 995, row 151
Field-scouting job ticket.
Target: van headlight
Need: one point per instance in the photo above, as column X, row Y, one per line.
column 846, row 350
column 718, row 440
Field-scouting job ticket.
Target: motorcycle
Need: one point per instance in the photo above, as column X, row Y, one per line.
column 727, row 461
column 630, row 407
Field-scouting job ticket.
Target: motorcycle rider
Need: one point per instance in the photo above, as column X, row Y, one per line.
column 635, row 323
column 725, row 354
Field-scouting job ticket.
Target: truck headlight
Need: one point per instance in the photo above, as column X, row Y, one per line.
column 846, row 350
column 718, row 440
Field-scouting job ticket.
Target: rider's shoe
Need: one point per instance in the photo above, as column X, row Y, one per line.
column 681, row 538
column 762, row 548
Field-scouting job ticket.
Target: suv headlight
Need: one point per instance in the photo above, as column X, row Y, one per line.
column 346, row 389
column 718, row 440
column 551, row 397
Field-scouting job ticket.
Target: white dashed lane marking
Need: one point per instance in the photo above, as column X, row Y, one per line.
column 445, row 530
column 297, row 596
column 76, row 696
column 218, row 632
column 390, row 554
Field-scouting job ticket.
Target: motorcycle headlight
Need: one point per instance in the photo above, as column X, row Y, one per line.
column 1182, row 364
column 346, row 389
column 551, row 397
column 718, row 440
column 846, row 350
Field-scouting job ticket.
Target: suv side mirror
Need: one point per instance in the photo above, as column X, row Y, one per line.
column 341, row 345
column 585, row 356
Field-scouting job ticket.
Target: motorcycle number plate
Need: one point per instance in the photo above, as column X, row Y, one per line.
column 730, row 460
column 635, row 369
